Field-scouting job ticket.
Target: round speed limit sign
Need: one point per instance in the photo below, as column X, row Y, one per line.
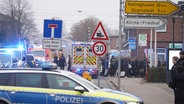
column 99, row 48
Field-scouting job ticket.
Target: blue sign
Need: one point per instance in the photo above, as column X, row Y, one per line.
column 132, row 43
column 52, row 29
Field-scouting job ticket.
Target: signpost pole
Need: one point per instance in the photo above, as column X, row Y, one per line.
column 98, row 65
column 120, row 33
column 155, row 48
column 151, row 39
column 147, row 59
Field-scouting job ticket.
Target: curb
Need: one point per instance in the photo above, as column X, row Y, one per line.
column 115, row 85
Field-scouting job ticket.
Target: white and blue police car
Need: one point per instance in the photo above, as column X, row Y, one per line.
column 56, row 87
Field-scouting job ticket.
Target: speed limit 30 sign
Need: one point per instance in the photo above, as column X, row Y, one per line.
column 99, row 48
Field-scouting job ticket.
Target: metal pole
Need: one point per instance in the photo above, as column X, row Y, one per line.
column 120, row 33
column 155, row 49
column 89, row 36
column 147, row 59
column 98, row 64
column 151, row 48
column 173, row 20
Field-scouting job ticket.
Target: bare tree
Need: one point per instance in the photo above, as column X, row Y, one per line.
column 79, row 31
column 21, row 11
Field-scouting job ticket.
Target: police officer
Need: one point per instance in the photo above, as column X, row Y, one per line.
column 62, row 62
column 178, row 79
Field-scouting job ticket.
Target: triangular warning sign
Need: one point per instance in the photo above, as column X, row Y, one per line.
column 99, row 33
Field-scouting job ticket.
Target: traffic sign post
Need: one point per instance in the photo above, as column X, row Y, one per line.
column 51, row 44
column 142, row 40
column 52, row 29
column 99, row 48
column 150, row 7
column 99, row 33
column 52, row 34
column 143, row 22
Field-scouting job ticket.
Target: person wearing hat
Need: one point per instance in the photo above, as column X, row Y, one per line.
column 178, row 79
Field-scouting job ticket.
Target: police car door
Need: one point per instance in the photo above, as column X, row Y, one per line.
column 27, row 90
column 62, row 91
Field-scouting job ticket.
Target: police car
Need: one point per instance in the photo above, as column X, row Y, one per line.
column 56, row 87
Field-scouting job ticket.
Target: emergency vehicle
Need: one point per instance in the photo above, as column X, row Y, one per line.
column 25, row 86
column 83, row 59
column 40, row 53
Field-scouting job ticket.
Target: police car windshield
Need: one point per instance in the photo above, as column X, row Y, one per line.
column 85, row 82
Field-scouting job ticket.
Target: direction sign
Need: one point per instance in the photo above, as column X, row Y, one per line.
column 99, row 33
column 150, row 7
column 52, row 29
column 51, row 44
column 99, row 48
column 137, row 22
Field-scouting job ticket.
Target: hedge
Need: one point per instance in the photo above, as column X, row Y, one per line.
column 157, row 74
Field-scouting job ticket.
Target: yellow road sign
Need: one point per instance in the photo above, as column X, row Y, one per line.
column 150, row 7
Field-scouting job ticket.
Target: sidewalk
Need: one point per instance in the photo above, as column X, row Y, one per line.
column 151, row 93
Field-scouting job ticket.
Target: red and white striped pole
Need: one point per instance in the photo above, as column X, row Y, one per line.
column 89, row 36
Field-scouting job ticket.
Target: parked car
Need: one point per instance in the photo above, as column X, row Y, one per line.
column 49, row 65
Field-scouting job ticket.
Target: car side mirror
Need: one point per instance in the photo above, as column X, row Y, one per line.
column 80, row 89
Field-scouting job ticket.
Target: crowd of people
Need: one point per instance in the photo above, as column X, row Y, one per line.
column 61, row 62
column 131, row 68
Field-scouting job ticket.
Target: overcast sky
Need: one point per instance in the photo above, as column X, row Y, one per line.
column 67, row 10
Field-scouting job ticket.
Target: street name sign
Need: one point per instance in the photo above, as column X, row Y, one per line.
column 150, row 7
column 52, row 29
column 51, row 44
column 99, row 48
column 137, row 22
column 99, row 33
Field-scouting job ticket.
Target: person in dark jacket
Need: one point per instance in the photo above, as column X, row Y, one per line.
column 103, row 66
column 171, row 83
column 106, row 66
column 56, row 59
column 112, row 70
column 178, row 79
column 62, row 62
column 69, row 62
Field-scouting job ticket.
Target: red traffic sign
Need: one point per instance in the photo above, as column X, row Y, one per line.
column 99, row 48
column 99, row 33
